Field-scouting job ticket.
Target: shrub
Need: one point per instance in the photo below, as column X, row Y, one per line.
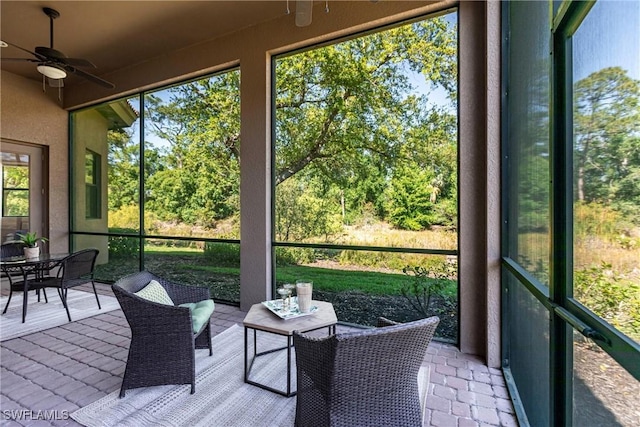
column 123, row 247
column 594, row 219
column 294, row 256
column 610, row 296
column 423, row 284
column 222, row 254
column 128, row 217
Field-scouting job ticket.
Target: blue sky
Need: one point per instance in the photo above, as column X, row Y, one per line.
column 609, row 36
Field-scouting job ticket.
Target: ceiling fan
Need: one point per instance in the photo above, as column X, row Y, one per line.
column 54, row 64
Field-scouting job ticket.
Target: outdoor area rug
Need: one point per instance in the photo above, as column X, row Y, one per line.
column 41, row 315
column 221, row 399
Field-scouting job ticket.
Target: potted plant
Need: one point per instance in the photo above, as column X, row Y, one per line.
column 32, row 250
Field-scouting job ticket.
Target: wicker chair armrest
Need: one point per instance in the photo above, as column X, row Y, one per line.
column 313, row 350
column 430, row 322
column 152, row 317
column 383, row 321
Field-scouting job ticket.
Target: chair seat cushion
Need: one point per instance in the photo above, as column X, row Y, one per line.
column 155, row 292
column 200, row 313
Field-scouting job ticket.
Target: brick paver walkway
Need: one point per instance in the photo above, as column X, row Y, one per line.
column 62, row 369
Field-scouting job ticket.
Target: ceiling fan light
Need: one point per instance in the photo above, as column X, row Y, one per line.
column 51, row 71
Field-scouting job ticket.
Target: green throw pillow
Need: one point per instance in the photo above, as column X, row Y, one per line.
column 155, row 292
column 200, row 313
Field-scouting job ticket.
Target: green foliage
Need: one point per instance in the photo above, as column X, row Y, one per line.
column 384, row 260
column 123, row 247
column 607, row 123
column 595, row 219
column 31, row 239
column 413, row 200
column 124, row 169
column 195, row 180
column 293, row 256
column 347, row 115
column 16, row 194
column 610, row 296
column 222, row 254
column 533, row 192
column 425, row 283
column 128, row 217
column 301, row 213
column 330, row 280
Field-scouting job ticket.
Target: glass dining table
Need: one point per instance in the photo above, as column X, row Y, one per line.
column 36, row 267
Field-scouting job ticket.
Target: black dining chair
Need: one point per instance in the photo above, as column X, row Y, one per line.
column 75, row 270
column 9, row 250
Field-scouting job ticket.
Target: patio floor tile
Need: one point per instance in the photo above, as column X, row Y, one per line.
column 72, row 365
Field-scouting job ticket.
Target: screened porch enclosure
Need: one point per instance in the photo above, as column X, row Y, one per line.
column 530, row 240
column 157, row 176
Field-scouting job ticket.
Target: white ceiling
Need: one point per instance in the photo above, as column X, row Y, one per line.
column 118, row 34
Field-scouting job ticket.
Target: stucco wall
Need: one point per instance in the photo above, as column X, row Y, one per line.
column 28, row 115
column 89, row 129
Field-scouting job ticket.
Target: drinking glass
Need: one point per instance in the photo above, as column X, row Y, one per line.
column 284, row 294
column 290, row 287
column 304, row 288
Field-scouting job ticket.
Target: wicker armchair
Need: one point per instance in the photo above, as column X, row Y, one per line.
column 163, row 342
column 366, row 378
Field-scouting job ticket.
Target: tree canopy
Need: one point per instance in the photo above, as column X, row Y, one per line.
column 354, row 132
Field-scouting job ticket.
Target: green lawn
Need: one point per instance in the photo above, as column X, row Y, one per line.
column 192, row 266
column 330, row 280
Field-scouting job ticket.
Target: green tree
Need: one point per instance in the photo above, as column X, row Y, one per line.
column 348, row 113
column 606, row 136
column 350, row 100
column 196, row 178
column 124, row 169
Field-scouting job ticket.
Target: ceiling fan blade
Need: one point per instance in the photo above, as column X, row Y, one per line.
column 20, row 59
column 40, row 57
column 90, row 77
column 78, row 62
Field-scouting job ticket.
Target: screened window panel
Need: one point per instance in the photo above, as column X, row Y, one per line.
column 606, row 164
column 527, row 324
column 192, row 158
column 528, row 178
column 604, row 393
column 215, row 265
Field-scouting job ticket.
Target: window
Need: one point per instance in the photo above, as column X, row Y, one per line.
column 365, row 172
column 92, row 185
column 171, row 201
column 15, row 190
